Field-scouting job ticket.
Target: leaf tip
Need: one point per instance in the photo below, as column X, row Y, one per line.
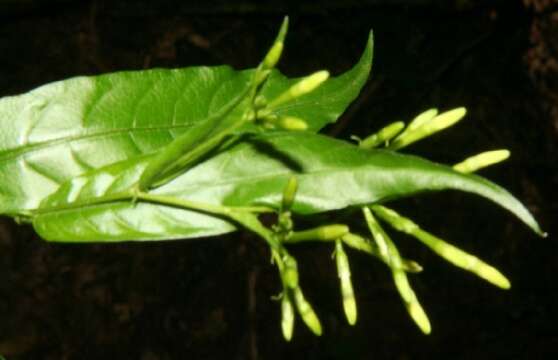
column 370, row 44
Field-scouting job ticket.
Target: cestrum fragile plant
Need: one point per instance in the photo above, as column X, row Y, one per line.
column 187, row 153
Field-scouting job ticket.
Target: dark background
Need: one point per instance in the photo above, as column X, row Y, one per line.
column 210, row 298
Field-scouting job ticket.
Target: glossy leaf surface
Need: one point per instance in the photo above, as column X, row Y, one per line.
column 331, row 174
column 66, row 128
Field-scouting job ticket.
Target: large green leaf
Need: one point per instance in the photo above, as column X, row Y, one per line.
column 66, row 128
column 332, row 174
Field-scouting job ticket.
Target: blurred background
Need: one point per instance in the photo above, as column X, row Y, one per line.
column 211, row 298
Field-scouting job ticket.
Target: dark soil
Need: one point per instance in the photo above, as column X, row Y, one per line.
column 210, row 298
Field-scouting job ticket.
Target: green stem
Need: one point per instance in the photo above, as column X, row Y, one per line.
column 242, row 216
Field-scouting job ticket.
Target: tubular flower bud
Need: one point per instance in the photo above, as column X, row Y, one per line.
column 322, row 233
column 290, row 272
column 385, row 134
column 421, row 319
column 304, row 86
column 445, row 250
column 287, row 317
column 422, row 119
column 481, row 160
column 307, row 312
column 274, row 54
column 347, row 292
column 428, row 128
column 292, row 123
column 272, row 57
column 362, row 244
column 418, row 121
column 399, row 276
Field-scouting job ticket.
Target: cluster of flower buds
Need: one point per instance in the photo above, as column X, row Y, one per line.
column 396, row 136
column 267, row 114
column 395, row 263
column 292, row 296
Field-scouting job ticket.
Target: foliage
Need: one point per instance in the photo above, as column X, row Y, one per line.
column 186, row 153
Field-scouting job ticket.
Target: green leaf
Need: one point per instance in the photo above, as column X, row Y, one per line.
column 326, row 103
column 63, row 129
column 331, row 174
column 60, row 130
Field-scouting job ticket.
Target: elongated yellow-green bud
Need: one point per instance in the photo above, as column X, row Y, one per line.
column 321, row 233
column 307, row 312
column 274, row 54
column 397, row 221
column 414, row 308
column 418, row 121
column 481, row 160
column 399, row 277
column 447, row 251
column 260, row 76
column 302, row 87
column 344, row 273
column 362, row 244
column 291, row 123
column 289, row 194
column 287, row 317
column 272, row 57
column 422, row 119
column 377, row 234
column 290, row 272
column 385, row 134
column 464, row 260
column 427, row 128
column 358, row 243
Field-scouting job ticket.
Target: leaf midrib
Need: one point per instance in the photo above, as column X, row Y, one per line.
column 10, row 154
column 124, row 196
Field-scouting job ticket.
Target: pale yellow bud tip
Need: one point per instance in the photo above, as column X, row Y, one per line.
column 313, row 323
column 302, row 87
column 307, row 313
column 332, row 232
column 454, row 114
column 422, row 119
column 349, row 305
column 309, row 83
column 494, row 277
column 287, row 318
column 382, row 136
column 424, row 127
column 481, row 160
column 420, row 318
column 292, row 123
